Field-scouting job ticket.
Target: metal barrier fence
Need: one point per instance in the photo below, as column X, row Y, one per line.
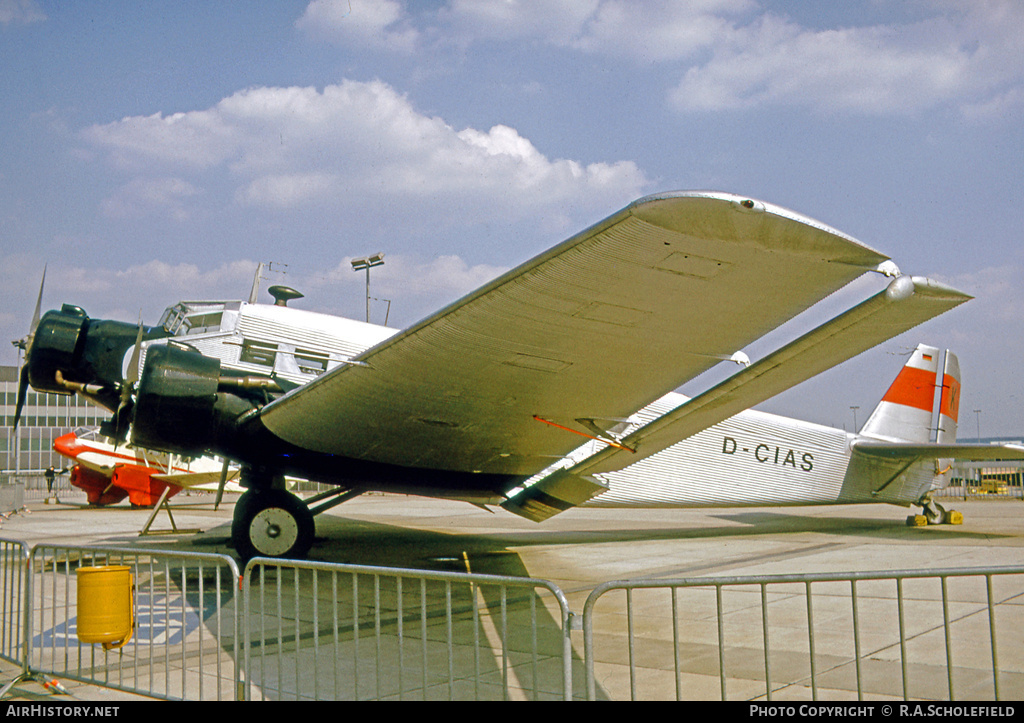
column 34, row 487
column 185, row 643
column 330, row 631
column 935, row 634
column 14, row 585
column 304, row 630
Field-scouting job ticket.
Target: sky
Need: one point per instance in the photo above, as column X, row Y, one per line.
column 159, row 151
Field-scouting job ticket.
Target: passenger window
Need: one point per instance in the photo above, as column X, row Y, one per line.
column 255, row 352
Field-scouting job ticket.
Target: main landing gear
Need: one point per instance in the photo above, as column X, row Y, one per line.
column 934, row 514
column 269, row 521
column 272, row 523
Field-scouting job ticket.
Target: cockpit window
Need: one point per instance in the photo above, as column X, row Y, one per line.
column 199, row 323
column 172, row 318
column 196, row 317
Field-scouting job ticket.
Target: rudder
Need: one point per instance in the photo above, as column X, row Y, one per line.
column 949, row 404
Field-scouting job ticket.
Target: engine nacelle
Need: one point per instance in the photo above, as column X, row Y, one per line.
column 174, row 408
column 57, row 346
column 84, row 351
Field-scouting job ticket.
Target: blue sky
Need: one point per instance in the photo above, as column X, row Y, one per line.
column 158, row 151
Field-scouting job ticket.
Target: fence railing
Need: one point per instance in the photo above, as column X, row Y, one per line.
column 930, row 634
column 291, row 630
column 185, row 642
column 14, row 609
column 385, row 633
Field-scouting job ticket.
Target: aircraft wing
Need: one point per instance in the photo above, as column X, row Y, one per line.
column 907, row 302
column 960, row 451
column 593, row 330
column 190, row 480
column 95, row 462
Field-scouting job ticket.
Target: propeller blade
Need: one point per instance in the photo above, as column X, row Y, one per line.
column 220, row 485
column 39, row 306
column 132, row 375
column 128, row 385
column 26, row 346
column 22, row 393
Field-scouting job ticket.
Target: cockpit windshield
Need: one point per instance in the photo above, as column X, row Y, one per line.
column 196, row 317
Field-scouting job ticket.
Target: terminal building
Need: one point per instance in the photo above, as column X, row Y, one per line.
column 44, row 417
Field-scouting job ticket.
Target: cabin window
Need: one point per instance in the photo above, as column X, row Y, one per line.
column 255, row 352
column 311, row 362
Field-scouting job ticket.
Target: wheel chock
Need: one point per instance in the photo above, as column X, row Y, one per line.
column 917, row 521
column 952, row 517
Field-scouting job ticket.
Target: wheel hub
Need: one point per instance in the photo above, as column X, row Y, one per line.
column 273, row 531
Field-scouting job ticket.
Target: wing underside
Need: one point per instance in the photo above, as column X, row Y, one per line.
column 581, row 336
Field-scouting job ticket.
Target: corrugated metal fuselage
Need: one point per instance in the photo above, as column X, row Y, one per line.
column 755, row 458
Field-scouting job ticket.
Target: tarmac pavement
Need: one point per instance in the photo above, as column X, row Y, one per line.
column 577, row 551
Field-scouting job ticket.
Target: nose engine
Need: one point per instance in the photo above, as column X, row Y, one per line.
column 56, row 347
column 67, row 352
column 180, row 401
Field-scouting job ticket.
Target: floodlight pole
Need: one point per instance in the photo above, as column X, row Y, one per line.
column 368, row 262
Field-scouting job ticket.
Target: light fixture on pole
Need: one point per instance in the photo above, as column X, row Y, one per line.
column 368, row 262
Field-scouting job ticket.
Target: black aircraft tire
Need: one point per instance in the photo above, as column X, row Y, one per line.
column 272, row 523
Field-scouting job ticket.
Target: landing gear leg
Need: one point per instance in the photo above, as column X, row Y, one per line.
column 271, row 523
column 934, row 514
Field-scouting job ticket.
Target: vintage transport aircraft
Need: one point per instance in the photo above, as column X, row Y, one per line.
column 476, row 401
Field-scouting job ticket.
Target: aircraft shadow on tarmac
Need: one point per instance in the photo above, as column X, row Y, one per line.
column 360, row 542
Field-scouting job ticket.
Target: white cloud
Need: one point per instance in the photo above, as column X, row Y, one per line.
column 20, row 12
column 198, row 139
column 737, row 54
column 559, row 22
column 417, row 287
column 288, row 147
column 377, row 23
column 287, row 190
column 448, row 276
column 659, row 32
column 952, row 59
column 145, row 196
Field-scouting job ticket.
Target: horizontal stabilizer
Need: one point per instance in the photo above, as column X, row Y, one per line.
column 962, row 451
column 905, row 303
column 555, row 493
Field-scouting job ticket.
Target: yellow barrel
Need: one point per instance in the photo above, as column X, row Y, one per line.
column 105, row 605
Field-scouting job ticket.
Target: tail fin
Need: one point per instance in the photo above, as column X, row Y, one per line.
column 949, row 405
column 906, row 411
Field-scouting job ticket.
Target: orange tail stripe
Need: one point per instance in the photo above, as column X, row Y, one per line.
column 913, row 388
column 949, row 405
